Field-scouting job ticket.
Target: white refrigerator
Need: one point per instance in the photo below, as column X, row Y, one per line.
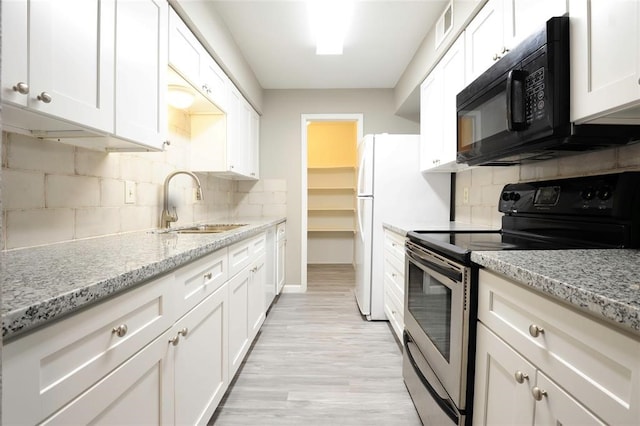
column 390, row 189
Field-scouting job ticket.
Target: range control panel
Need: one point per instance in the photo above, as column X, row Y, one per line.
column 605, row 195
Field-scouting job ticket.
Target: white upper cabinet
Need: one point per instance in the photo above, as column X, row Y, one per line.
column 141, row 68
column 524, row 17
column 193, row 62
column 438, row 128
column 605, row 61
column 89, row 73
column 60, row 58
column 501, row 25
column 484, row 39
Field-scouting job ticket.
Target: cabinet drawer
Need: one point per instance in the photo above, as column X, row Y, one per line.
column 199, row 279
column 394, row 272
column 597, row 364
column 394, row 243
column 394, row 310
column 258, row 245
column 48, row 368
column 240, row 255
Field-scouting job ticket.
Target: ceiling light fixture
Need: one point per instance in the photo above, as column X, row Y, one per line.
column 180, row 97
column 329, row 20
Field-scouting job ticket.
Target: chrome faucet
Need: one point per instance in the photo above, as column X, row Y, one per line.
column 168, row 217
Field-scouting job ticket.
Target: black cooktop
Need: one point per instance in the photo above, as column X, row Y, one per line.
column 459, row 245
column 586, row 212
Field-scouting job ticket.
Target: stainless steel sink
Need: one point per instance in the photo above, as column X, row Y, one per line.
column 209, row 228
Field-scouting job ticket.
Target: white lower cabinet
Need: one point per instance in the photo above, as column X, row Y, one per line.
column 238, row 319
column 540, row 362
column 394, row 280
column 137, row 392
column 163, row 352
column 201, row 372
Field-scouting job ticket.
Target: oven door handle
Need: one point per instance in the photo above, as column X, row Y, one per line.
column 439, row 395
column 449, row 273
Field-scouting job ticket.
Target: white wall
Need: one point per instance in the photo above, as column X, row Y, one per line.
column 280, row 142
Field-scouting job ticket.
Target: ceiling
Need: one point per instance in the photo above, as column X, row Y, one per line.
column 275, row 40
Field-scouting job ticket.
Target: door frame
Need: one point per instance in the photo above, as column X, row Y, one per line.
column 306, row 119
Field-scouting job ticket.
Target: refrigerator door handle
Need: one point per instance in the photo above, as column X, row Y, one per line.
column 360, row 230
column 361, row 171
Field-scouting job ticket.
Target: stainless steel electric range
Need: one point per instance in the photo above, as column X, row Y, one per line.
column 441, row 281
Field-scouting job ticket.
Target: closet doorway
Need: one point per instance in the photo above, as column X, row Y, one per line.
column 329, row 188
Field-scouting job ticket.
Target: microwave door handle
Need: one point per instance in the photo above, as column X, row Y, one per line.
column 516, row 119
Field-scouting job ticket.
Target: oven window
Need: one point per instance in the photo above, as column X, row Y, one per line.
column 429, row 301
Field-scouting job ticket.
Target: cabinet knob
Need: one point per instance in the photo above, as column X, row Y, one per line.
column 120, row 330
column 538, row 393
column 166, row 144
column 504, row 49
column 521, row 377
column 496, row 57
column 208, row 276
column 183, row 331
column 175, row 340
column 45, row 97
column 535, row 330
column 22, row 88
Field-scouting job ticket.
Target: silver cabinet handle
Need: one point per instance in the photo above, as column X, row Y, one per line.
column 505, row 49
column 496, row 57
column 22, row 88
column 538, row 393
column 208, row 276
column 175, row 340
column 521, row 377
column 535, row 330
column 45, row 97
column 120, row 330
column 183, row 331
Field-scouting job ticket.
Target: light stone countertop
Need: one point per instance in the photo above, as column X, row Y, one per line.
column 603, row 283
column 404, row 228
column 44, row 283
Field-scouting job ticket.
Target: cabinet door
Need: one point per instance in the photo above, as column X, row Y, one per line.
column 499, row 397
column 523, row 17
column 141, row 67
column 185, row 51
column 235, row 149
column 605, row 57
column 15, row 52
column 254, row 143
column 558, row 408
column 484, row 39
column 431, row 120
column 138, row 392
column 214, row 82
column 256, row 305
column 71, row 60
column 281, row 254
column 453, row 81
column 200, row 357
column 238, row 319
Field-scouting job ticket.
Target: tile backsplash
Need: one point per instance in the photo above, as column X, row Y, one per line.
column 485, row 183
column 54, row 192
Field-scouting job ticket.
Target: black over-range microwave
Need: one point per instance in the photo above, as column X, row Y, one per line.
column 518, row 110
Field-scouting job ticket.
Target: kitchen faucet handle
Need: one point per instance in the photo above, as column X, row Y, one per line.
column 174, row 215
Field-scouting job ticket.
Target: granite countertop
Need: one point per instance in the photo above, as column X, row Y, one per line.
column 603, row 283
column 405, row 227
column 43, row 283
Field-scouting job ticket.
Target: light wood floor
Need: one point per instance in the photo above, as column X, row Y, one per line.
column 316, row 361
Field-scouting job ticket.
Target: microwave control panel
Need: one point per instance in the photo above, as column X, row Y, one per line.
column 534, row 94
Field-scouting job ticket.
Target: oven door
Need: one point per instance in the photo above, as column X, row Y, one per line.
column 437, row 317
